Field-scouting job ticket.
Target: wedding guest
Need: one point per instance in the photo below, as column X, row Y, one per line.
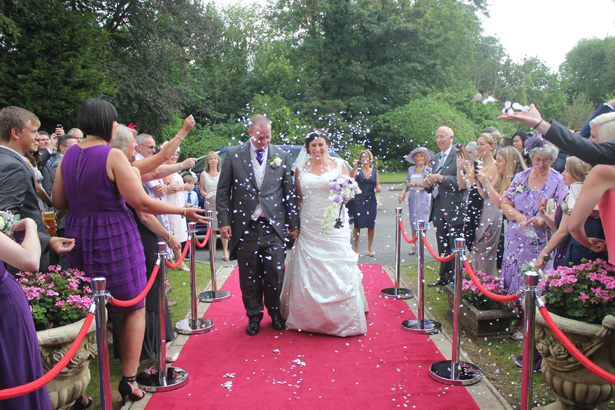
column 175, row 196
column 322, row 290
column 419, row 201
column 190, row 196
column 526, row 233
column 208, row 184
column 20, row 359
column 448, row 204
column 518, row 141
column 562, row 249
column 33, row 157
column 95, row 181
column 487, row 227
column 365, row 203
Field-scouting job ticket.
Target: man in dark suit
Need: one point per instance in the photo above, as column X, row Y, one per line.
column 18, row 130
column 448, row 204
column 256, row 206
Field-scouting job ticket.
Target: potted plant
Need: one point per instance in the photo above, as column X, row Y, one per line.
column 481, row 316
column 59, row 304
column 580, row 301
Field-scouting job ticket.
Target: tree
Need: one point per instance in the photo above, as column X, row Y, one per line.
column 53, row 58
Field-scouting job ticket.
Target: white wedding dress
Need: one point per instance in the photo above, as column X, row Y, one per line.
column 322, row 289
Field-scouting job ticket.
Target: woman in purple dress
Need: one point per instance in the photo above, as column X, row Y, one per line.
column 20, row 359
column 419, row 201
column 95, row 181
column 526, row 234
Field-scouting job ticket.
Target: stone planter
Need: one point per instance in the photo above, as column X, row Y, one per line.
column 482, row 323
column 72, row 381
column 577, row 387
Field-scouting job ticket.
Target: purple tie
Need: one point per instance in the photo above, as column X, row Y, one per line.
column 259, row 155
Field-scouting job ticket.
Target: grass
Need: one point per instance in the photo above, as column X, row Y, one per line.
column 493, row 356
column 180, row 281
column 398, row 176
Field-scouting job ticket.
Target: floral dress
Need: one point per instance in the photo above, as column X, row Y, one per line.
column 522, row 245
column 419, row 201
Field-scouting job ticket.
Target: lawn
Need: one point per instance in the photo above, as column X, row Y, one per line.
column 492, row 356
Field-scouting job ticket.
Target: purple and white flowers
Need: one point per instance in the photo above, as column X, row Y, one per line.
column 343, row 188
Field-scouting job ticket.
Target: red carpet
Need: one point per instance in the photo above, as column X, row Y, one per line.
column 388, row 368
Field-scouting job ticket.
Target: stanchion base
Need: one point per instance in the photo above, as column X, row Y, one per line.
column 150, row 382
column 425, row 326
column 467, row 373
column 214, row 296
column 397, row 293
column 185, row 326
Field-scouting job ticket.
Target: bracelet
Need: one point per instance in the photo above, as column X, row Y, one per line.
column 179, row 138
column 536, row 126
column 169, row 240
column 180, row 167
column 184, row 212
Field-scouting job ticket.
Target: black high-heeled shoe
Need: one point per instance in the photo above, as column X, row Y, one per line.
column 125, row 389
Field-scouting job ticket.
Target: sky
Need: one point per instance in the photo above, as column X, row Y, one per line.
column 546, row 29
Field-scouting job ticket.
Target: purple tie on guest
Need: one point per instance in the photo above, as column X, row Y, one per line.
column 259, row 155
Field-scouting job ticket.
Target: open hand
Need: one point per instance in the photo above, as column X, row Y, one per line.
column 61, row 245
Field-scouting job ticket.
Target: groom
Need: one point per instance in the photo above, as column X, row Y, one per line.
column 256, row 206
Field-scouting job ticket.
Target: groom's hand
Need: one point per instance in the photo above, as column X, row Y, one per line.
column 293, row 233
column 225, row 232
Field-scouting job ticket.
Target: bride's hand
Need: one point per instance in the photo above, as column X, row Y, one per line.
column 293, row 233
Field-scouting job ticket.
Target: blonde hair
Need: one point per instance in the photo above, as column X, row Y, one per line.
column 209, row 155
column 577, row 169
column 124, row 137
column 369, row 154
column 514, row 165
column 606, row 123
column 15, row 117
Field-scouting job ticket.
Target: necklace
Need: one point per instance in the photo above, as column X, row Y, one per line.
column 95, row 140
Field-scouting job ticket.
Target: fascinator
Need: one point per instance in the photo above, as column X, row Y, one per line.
column 422, row 150
column 534, row 141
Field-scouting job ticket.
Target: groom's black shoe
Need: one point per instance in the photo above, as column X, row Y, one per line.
column 440, row 282
column 253, row 328
column 277, row 321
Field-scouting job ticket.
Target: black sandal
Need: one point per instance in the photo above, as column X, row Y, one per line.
column 79, row 404
column 125, row 389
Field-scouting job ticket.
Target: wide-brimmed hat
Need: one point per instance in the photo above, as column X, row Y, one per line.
column 410, row 157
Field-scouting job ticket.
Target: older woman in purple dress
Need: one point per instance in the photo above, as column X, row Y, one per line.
column 419, row 201
column 527, row 232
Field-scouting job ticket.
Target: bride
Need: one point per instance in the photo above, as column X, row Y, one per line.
column 322, row 289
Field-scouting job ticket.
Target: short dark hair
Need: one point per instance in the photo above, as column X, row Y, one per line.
column 317, row 133
column 63, row 138
column 522, row 134
column 96, row 117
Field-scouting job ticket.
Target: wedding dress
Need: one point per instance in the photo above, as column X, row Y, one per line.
column 322, row 289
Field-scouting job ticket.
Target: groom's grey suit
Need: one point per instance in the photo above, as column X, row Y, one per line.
column 257, row 244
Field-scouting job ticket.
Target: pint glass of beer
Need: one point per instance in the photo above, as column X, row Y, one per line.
column 49, row 218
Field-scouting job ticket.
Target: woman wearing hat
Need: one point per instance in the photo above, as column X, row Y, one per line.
column 419, row 201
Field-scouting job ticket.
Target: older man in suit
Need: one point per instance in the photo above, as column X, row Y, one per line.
column 256, row 206
column 18, row 130
column 448, row 205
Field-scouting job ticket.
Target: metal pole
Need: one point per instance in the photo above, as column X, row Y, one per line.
column 100, row 294
column 397, row 292
column 214, row 295
column 421, row 325
column 530, row 282
column 194, row 325
column 162, row 378
column 454, row 371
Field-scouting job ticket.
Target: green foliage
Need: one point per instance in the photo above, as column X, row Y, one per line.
column 52, row 58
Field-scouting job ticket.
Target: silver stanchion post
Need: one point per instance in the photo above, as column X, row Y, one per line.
column 100, row 294
column 456, row 372
column 213, row 295
column 421, row 325
column 530, row 282
column 164, row 378
column 397, row 292
column 193, row 325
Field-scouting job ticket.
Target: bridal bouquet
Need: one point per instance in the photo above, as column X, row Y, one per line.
column 343, row 188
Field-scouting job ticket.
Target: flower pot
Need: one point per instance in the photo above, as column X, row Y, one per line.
column 482, row 323
column 72, row 381
column 577, row 387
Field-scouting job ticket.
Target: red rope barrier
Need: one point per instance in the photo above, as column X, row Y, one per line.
column 40, row 382
column 181, row 259
column 435, row 256
column 603, row 374
column 401, row 227
column 202, row 244
column 134, row 301
column 484, row 290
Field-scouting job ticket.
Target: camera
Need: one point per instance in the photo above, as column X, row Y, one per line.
column 58, row 125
